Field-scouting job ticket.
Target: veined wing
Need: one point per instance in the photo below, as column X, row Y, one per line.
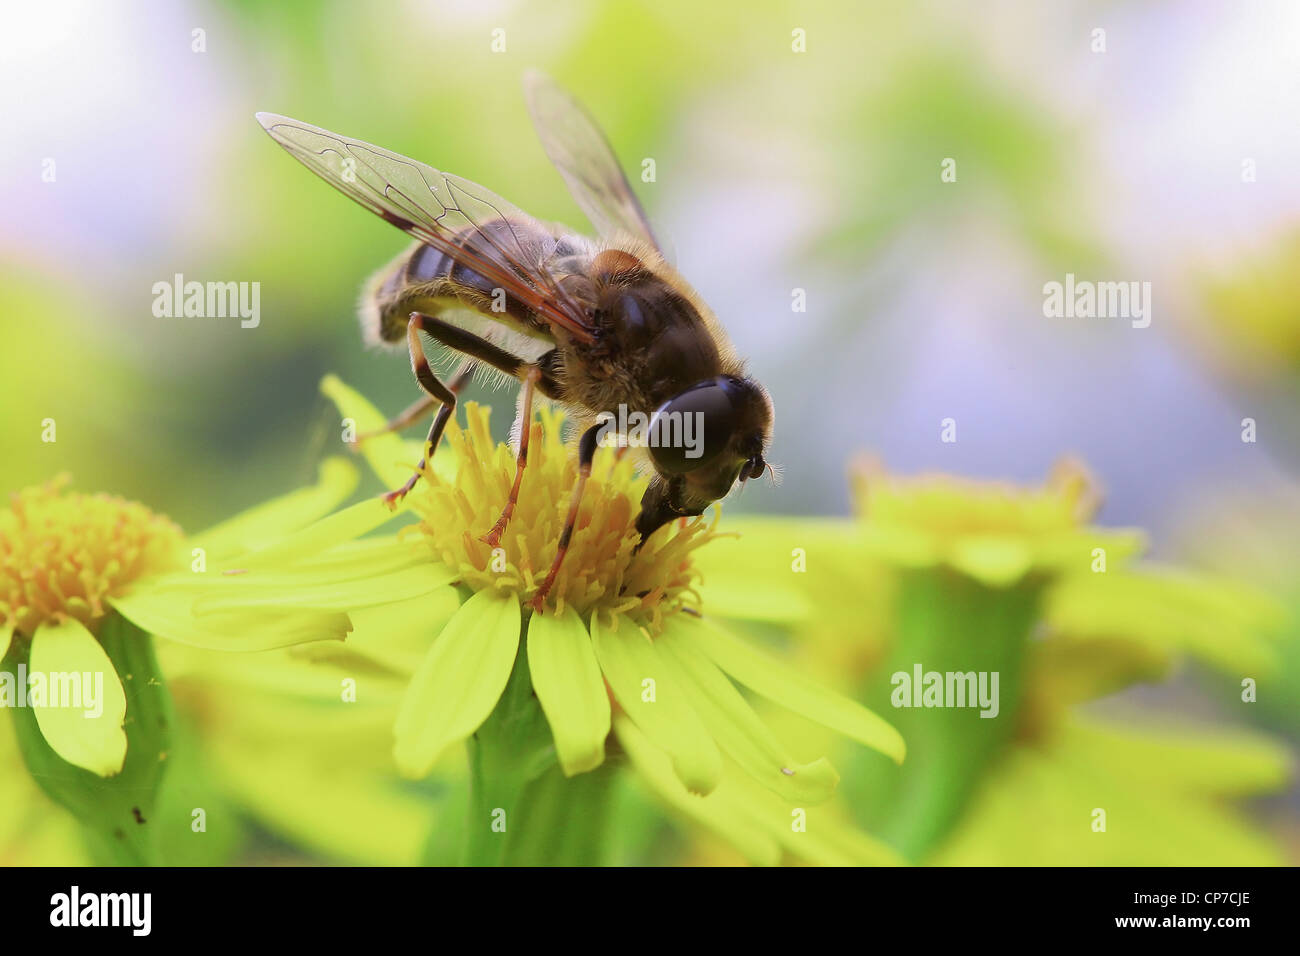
column 579, row 150
column 460, row 218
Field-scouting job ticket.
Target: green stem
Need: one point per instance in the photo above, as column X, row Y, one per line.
column 523, row 811
column 947, row 623
column 564, row 821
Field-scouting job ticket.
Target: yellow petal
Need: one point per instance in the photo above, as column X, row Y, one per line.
column 778, row 682
column 389, row 456
column 259, row 526
column 655, row 770
column 751, row 576
column 739, row 731
column 76, row 672
column 459, row 681
column 169, row 613
column 397, row 636
column 997, row 560
column 651, row 694
column 306, row 589
column 566, row 678
column 314, row 540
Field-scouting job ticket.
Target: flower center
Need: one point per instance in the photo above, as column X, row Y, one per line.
column 600, row 571
column 62, row 554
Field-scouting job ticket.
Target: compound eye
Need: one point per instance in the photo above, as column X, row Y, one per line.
column 690, row 430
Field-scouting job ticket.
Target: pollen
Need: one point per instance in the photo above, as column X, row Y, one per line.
column 64, row 554
column 600, row 571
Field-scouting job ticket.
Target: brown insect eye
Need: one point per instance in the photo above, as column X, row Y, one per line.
column 691, row 429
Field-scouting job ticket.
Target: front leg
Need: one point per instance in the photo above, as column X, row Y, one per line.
column 586, row 455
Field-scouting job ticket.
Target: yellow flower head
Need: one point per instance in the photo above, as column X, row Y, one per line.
column 601, row 572
column 86, row 580
column 63, row 554
column 63, row 558
column 990, row 531
column 610, row 656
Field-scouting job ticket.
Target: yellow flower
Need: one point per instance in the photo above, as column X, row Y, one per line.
column 1166, row 798
column 86, row 581
column 304, row 751
column 627, row 646
column 601, row 573
column 62, row 555
column 981, row 576
column 993, row 532
column 32, row 832
column 63, row 558
column 1104, row 632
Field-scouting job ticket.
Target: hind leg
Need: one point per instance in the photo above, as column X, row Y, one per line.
column 533, row 376
column 436, row 392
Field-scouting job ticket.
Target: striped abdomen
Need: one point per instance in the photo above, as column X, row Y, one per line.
column 428, row 280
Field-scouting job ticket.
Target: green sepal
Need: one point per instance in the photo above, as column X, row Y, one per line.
column 947, row 623
column 510, row 749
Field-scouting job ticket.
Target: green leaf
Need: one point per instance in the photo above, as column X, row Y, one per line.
column 84, row 707
column 459, row 681
column 566, row 678
column 658, row 703
column 776, row 681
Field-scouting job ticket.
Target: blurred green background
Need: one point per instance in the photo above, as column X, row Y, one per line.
column 777, row 171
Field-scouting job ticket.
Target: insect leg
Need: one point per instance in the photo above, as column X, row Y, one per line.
column 586, row 453
column 531, row 377
column 414, row 413
column 462, row 340
column 436, row 390
column 440, row 420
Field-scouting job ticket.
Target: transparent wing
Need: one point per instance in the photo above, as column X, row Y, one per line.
column 579, row 150
column 467, row 222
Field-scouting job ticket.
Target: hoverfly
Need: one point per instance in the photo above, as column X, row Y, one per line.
column 592, row 325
